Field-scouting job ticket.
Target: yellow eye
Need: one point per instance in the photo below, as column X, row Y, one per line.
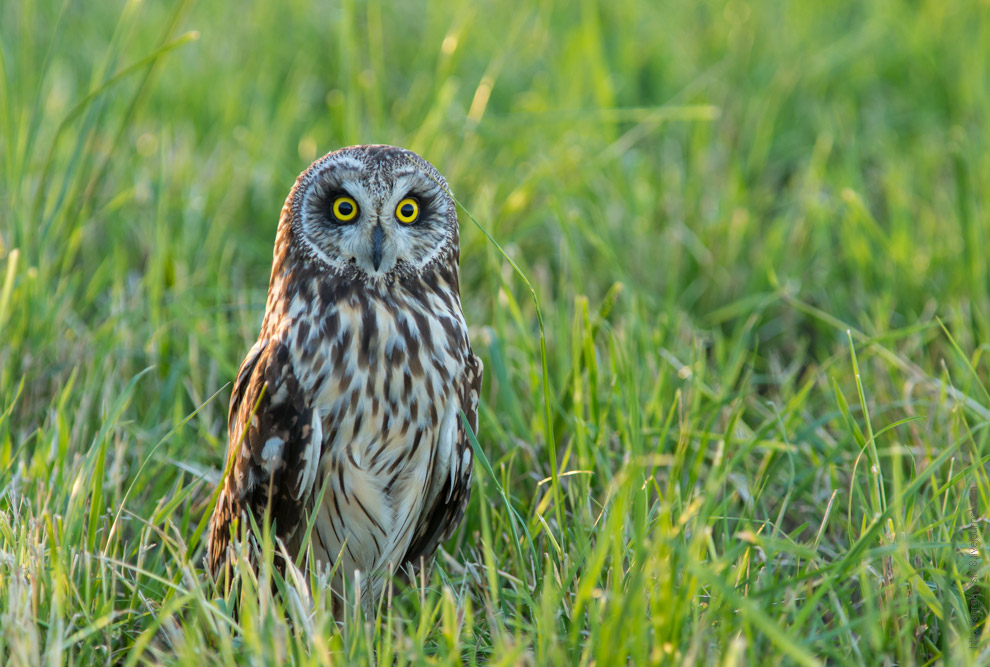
column 407, row 211
column 345, row 209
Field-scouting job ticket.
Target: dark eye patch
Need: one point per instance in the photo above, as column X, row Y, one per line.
column 322, row 205
column 428, row 202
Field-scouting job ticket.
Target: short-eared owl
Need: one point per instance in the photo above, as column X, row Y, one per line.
column 360, row 373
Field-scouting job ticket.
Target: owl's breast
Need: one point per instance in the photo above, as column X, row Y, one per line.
column 369, row 358
column 382, row 374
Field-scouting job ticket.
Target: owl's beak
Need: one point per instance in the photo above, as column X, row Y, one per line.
column 377, row 241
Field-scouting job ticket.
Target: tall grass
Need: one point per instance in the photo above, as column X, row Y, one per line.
column 751, row 429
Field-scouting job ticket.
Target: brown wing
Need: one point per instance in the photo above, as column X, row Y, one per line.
column 275, row 460
column 449, row 493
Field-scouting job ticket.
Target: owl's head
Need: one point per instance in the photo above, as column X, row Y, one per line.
column 380, row 211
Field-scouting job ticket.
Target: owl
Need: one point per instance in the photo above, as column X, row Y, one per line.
column 347, row 410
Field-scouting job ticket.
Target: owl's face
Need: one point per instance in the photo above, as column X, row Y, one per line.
column 380, row 211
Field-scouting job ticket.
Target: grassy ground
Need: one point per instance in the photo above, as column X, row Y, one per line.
column 756, row 234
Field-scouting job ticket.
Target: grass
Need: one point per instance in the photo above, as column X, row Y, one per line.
column 756, row 236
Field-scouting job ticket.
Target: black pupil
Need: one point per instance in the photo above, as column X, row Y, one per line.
column 407, row 210
column 345, row 208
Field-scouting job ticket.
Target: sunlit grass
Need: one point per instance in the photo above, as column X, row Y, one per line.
column 751, row 427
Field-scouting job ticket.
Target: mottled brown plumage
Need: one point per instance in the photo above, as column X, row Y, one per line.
column 359, row 375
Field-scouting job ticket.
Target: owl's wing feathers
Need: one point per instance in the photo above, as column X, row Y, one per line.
column 448, row 494
column 276, row 457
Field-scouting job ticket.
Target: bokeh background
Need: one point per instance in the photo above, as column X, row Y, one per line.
column 755, row 234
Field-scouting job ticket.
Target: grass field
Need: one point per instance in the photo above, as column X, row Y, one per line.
column 752, row 236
